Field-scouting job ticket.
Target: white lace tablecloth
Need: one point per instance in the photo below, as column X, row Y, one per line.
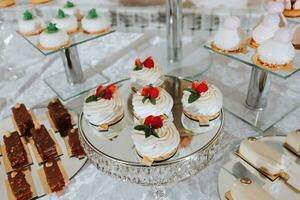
column 90, row 184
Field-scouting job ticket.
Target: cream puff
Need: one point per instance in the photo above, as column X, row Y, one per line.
column 71, row 9
column 92, row 23
column 53, row 38
column 202, row 104
column 30, row 25
column 65, row 22
column 230, row 38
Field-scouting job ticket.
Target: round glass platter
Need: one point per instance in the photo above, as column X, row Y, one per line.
column 116, row 156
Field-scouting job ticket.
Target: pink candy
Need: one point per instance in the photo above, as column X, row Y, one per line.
column 283, row 35
column 271, row 20
column 274, row 7
column 232, row 22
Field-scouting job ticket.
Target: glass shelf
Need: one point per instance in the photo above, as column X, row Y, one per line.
column 246, row 58
column 76, row 39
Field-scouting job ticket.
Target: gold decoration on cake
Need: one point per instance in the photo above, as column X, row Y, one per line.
column 203, row 120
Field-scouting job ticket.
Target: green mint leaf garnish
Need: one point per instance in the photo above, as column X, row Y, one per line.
column 60, row 14
column 137, row 68
column 101, row 93
column 92, row 14
column 27, row 15
column 69, row 4
column 140, row 127
column 190, row 90
column 91, row 99
column 154, row 133
column 51, row 28
column 193, row 97
column 152, row 100
column 144, row 99
column 147, row 130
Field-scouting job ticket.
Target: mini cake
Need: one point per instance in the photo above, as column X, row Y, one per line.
column 20, row 183
column 265, row 30
column 55, row 178
column 94, row 24
column 71, row 9
column 291, row 8
column 30, row 25
column 103, row 107
column 146, row 73
column 292, row 142
column 230, row 38
column 52, row 38
column 65, row 22
column 155, row 139
column 38, row 1
column 152, row 101
column 244, row 189
column 7, row 3
column 22, row 119
column 276, row 53
column 202, row 104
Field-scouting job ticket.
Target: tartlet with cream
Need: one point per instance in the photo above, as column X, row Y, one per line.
column 103, row 107
column 66, row 22
column 92, row 23
column 30, row 25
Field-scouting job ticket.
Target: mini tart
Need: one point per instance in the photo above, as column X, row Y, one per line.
column 31, row 27
column 69, row 24
column 257, row 61
column 38, row 1
column 7, row 3
column 53, row 41
column 95, row 25
column 291, row 13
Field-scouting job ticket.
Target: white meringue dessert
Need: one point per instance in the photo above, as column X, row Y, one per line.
column 230, row 38
column 65, row 22
column 277, row 52
column 292, row 141
column 265, row 30
column 146, row 73
column 94, row 24
column 152, row 101
column 71, row 9
column 30, row 25
column 53, row 38
column 202, row 104
column 103, row 107
column 159, row 143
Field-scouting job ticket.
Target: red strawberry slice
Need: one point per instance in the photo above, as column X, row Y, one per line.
column 154, row 92
column 202, row 87
column 156, row 122
column 148, row 120
column 149, row 63
column 145, row 91
column 99, row 89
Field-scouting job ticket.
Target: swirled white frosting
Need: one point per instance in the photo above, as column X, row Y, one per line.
column 262, row 33
column 94, row 24
column 209, row 103
column 29, row 26
column 53, row 40
column 154, row 147
column 68, row 23
column 103, row 111
column 274, row 52
column 164, row 104
column 72, row 11
column 147, row 76
column 230, row 39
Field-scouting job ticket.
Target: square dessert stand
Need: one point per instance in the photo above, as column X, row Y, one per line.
column 74, row 81
column 258, row 107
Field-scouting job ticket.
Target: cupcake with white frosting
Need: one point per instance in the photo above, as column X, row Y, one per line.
column 71, row 9
column 146, row 73
column 291, row 8
column 92, row 23
column 202, row 104
column 230, row 38
column 65, row 22
column 30, row 25
column 265, row 30
column 152, row 101
column 103, row 107
column 53, row 38
column 276, row 53
column 155, row 139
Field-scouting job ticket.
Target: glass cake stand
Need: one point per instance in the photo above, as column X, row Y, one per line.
column 117, row 156
column 257, row 106
column 74, row 81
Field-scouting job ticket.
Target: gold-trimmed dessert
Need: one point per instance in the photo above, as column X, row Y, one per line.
column 94, row 24
column 30, row 25
column 155, row 139
column 7, row 3
column 230, row 38
column 103, row 107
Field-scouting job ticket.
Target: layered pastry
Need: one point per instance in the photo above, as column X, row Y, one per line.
column 152, row 101
column 202, row 104
column 265, row 30
column 7, row 3
column 71, row 9
column 146, row 73
column 54, row 176
column 44, row 143
column 73, row 143
column 38, row 1
column 244, row 189
column 59, row 117
column 53, row 38
column 155, row 139
column 30, row 25
column 15, row 150
column 22, row 119
column 291, row 8
column 103, row 107
column 20, row 185
column 65, row 22
column 276, row 53
column 230, row 38
column 92, row 23
column 292, row 142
